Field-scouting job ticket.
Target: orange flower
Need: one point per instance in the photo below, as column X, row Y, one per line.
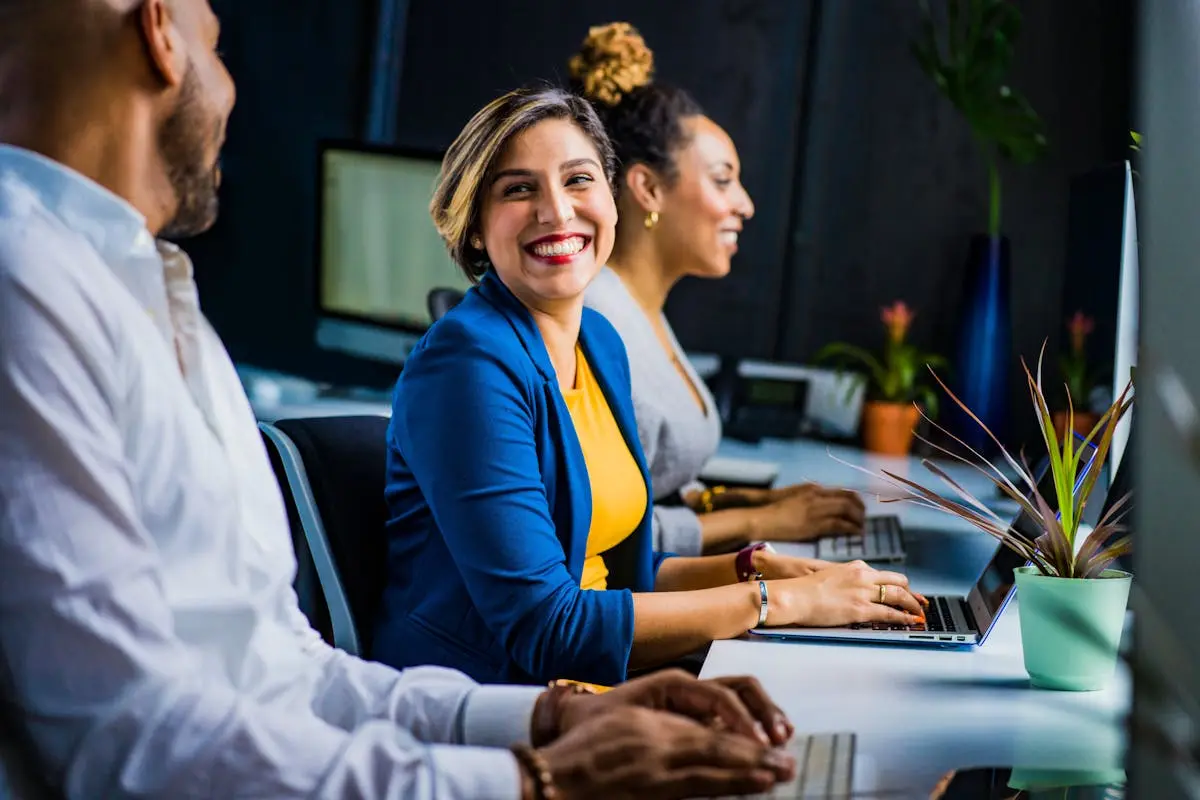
column 1079, row 326
column 897, row 318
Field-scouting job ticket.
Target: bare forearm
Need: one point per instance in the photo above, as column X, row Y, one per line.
column 668, row 625
column 728, row 529
column 689, row 574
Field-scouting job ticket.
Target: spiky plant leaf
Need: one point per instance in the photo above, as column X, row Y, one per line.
column 1054, row 550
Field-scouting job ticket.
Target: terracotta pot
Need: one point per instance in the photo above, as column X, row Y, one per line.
column 888, row 427
column 1084, row 422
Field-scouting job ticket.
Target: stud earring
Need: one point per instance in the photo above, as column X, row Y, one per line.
column 651, row 220
column 476, row 242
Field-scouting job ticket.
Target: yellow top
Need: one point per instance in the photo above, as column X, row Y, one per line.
column 618, row 491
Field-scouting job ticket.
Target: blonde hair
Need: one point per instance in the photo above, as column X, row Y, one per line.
column 612, row 62
column 470, row 161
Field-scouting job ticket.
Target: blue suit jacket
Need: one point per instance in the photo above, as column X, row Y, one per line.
column 490, row 505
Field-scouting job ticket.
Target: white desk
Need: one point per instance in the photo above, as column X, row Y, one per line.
column 920, row 712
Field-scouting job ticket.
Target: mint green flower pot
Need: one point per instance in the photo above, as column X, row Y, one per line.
column 1053, row 611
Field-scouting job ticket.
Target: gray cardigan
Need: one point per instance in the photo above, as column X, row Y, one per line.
column 677, row 436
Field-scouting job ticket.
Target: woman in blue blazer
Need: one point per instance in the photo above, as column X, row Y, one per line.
column 515, row 476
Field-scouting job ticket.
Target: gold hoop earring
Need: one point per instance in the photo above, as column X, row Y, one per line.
column 651, row 220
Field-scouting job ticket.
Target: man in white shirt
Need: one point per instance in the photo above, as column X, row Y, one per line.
column 150, row 641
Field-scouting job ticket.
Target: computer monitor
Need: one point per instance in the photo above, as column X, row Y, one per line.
column 1127, row 320
column 1101, row 278
column 378, row 253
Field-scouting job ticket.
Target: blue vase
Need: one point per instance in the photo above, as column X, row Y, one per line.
column 983, row 363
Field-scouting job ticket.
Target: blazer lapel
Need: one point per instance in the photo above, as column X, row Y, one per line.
column 493, row 290
column 566, row 476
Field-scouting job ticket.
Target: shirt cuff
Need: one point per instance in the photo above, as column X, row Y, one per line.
column 476, row 772
column 679, row 531
column 499, row 716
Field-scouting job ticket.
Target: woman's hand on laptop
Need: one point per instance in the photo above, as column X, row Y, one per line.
column 842, row 595
column 807, row 513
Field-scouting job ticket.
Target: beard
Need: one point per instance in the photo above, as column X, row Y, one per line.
column 187, row 137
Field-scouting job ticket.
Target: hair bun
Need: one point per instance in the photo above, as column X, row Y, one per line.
column 613, row 61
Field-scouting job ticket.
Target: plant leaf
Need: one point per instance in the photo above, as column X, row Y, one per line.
column 1063, row 485
column 963, row 493
column 1093, row 544
column 999, row 531
column 1108, row 421
column 1101, row 562
column 1012, row 462
column 842, row 351
column 1054, row 539
column 929, row 400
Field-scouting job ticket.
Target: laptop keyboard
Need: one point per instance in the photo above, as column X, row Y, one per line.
column 824, row 767
column 881, row 539
column 938, row 619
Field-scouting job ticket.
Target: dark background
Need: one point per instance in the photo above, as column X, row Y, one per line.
column 867, row 183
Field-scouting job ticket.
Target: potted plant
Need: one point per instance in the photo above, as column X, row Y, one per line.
column 1071, row 605
column 890, row 414
column 1079, row 378
column 967, row 52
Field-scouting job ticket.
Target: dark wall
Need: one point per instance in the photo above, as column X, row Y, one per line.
column 867, row 186
column 301, row 68
column 742, row 59
column 894, row 185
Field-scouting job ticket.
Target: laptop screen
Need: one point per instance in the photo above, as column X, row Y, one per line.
column 996, row 582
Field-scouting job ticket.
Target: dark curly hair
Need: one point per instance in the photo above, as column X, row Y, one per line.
column 644, row 119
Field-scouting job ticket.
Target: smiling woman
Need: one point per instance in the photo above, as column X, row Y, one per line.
column 682, row 209
column 519, row 499
column 548, row 216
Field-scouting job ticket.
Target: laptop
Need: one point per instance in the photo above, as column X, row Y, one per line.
column 882, row 539
column 950, row 621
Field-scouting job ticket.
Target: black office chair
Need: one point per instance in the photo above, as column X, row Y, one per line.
column 21, row 773
column 332, row 469
column 441, row 300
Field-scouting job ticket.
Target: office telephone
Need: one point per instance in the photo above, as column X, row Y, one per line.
column 758, row 401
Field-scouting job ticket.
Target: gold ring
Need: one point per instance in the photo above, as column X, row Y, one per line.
column 882, row 592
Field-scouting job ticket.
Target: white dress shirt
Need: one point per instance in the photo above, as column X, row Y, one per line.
column 151, row 644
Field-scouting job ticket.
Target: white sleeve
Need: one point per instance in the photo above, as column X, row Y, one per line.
column 113, row 703
column 435, row 704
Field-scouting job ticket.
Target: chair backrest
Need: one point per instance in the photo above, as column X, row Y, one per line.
column 21, row 777
column 334, row 469
column 441, row 300
column 313, row 594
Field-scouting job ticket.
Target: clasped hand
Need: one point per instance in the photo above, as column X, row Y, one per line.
column 670, row 735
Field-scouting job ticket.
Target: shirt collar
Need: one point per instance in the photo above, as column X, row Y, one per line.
column 110, row 224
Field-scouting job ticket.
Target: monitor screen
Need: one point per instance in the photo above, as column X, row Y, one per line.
column 380, row 254
column 1126, row 358
column 1101, row 282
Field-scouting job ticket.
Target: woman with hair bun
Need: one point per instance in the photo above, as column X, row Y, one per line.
column 681, row 208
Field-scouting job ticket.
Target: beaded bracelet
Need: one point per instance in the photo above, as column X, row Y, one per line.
column 537, row 768
column 707, row 496
column 544, row 727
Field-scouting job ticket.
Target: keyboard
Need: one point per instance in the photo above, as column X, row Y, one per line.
column 938, row 619
column 882, row 540
column 824, row 767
